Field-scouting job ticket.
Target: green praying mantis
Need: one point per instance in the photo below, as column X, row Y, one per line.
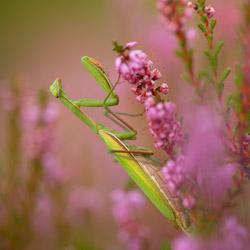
column 138, row 163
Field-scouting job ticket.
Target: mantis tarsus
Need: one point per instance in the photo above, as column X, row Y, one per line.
column 137, row 162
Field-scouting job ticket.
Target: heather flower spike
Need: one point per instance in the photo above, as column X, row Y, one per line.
column 205, row 167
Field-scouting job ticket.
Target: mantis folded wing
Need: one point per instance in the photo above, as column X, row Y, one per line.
column 136, row 162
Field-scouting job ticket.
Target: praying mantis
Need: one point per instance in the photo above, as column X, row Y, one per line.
column 136, row 161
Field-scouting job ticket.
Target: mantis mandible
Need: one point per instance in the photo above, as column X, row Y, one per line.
column 136, row 161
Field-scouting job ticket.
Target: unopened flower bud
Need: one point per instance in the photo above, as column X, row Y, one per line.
column 156, row 74
column 210, row 11
column 130, row 45
column 164, row 88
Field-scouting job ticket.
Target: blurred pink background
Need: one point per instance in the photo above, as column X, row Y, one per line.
column 43, row 40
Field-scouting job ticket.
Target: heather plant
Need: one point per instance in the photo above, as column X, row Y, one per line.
column 37, row 199
column 199, row 186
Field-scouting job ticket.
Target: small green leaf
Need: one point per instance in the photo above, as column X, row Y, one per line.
column 203, row 73
column 237, row 81
column 218, row 48
column 210, row 37
column 179, row 54
column 220, row 88
column 202, row 28
column 228, row 100
column 207, row 53
column 186, row 77
column 118, row 48
column 225, row 74
column 204, row 19
column 238, row 70
column 212, row 25
column 239, row 76
column 214, row 62
column 236, row 101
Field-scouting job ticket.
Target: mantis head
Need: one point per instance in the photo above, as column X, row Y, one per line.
column 56, row 88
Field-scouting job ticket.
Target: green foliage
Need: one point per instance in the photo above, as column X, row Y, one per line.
column 117, row 48
column 239, row 75
column 204, row 19
column 204, row 74
column 218, row 48
column 210, row 38
column 179, row 54
column 202, row 28
column 228, row 100
column 207, row 53
column 212, row 25
column 236, row 101
column 166, row 245
column 201, row 3
column 225, row 74
column 186, row 77
column 214, row 62
column 220, row 88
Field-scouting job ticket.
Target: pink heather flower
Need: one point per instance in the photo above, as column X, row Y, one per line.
column 190, row 4
column 163, row 125
column 191, row 34
column 164, row 88
column 39, row 129
column 231, row 236
column 131, row 232
column 174, row 13
column 156, row 74
column 53, row 169
column 186, row 243
column 177, row 182
column 136, row 68
column 211, row 176
column 188, row 202
column 50, row 114
column 30, row 116
column 126, row 203
column 43, row 214
column 210, row 11
column 81, row 202
column 130, row 45
column 246, row 143
column 234, row 236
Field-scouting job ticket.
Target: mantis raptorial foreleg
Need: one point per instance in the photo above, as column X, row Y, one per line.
column 112, row 99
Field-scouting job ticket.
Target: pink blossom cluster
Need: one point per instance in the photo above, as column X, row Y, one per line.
column 175, row 13
column 177, row 182
column 136, row 68
column 39, row 140
column 7, row 97
column 131, row 232
column 163, row 124
column 81, row 202
column 39, row 123
column 231, row 236
column 246, row 143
